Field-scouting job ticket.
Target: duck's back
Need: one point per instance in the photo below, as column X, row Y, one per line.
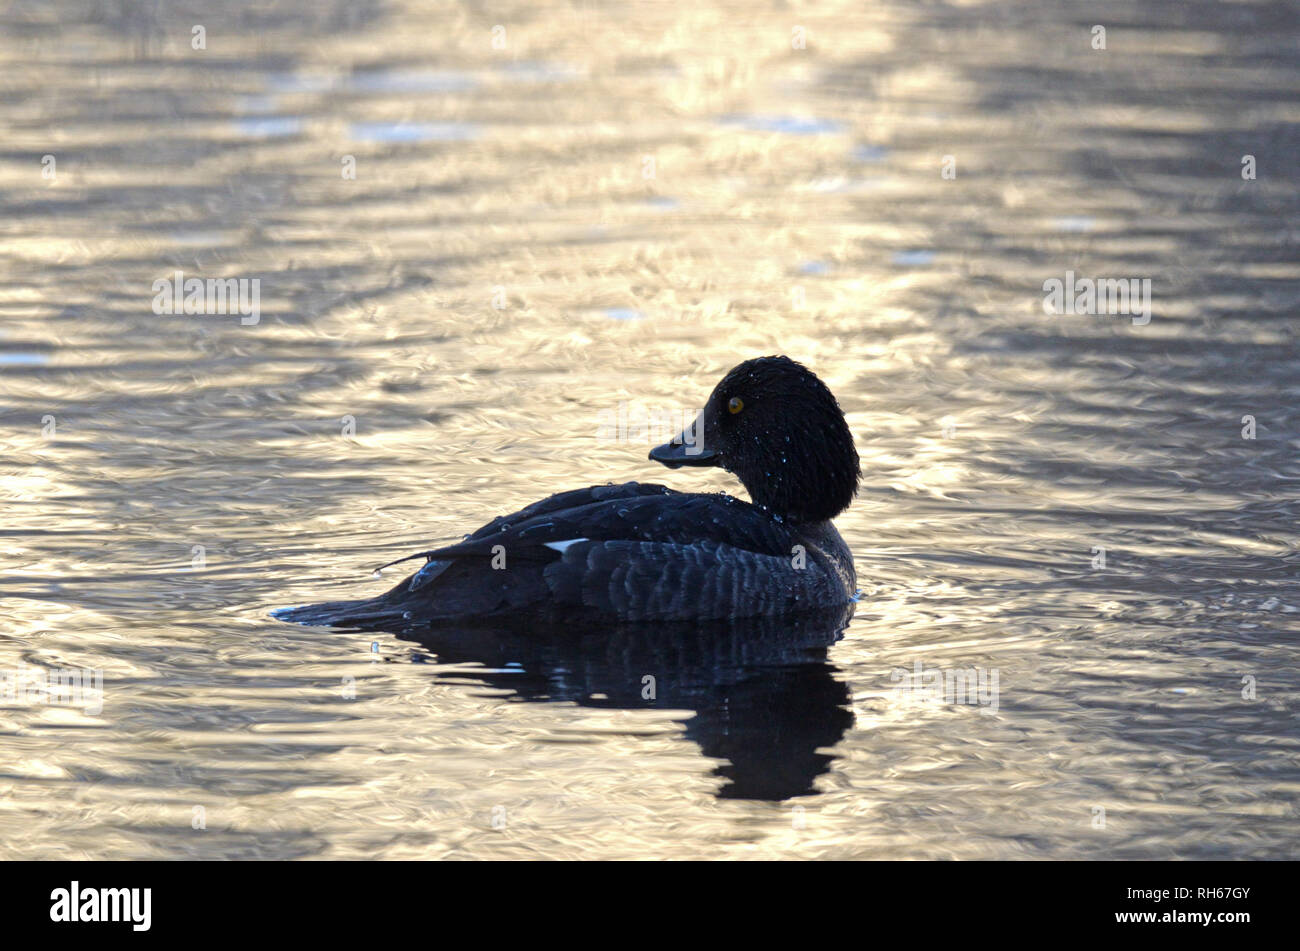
column 632, row 552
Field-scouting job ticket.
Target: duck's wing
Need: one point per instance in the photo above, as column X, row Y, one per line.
column 639, row 552
column 575, row 499
column 632, row 512
column 499, row 528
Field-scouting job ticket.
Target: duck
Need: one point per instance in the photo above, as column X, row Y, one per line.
column 646, row 553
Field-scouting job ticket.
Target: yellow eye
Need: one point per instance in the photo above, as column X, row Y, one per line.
column 735, row 405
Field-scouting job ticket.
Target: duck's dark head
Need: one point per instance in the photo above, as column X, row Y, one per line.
column 777, row 427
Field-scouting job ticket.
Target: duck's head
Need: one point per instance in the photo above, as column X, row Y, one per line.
column 778, row 429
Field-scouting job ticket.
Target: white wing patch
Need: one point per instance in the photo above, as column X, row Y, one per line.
column 561, row 546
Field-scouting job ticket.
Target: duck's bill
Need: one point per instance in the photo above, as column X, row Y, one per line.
column 678, row 452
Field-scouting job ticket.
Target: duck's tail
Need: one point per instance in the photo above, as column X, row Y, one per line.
column 377, row 612
column 442, row 590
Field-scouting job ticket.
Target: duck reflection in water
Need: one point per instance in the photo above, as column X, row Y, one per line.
column 766, row 699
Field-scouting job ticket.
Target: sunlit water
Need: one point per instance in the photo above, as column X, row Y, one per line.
column 612, row 210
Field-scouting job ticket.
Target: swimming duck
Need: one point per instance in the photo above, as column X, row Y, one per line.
column 641, row 552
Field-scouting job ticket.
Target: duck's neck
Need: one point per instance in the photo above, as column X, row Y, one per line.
column 777, row 496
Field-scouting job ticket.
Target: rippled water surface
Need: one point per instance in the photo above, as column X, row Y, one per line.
column 610, row 211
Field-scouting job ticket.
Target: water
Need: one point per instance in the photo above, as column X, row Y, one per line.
column 439, row 337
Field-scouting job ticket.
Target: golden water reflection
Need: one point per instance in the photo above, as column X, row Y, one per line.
column 505, row 267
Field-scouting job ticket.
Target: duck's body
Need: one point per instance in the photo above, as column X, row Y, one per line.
column 633, row 552
column 636, row 552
